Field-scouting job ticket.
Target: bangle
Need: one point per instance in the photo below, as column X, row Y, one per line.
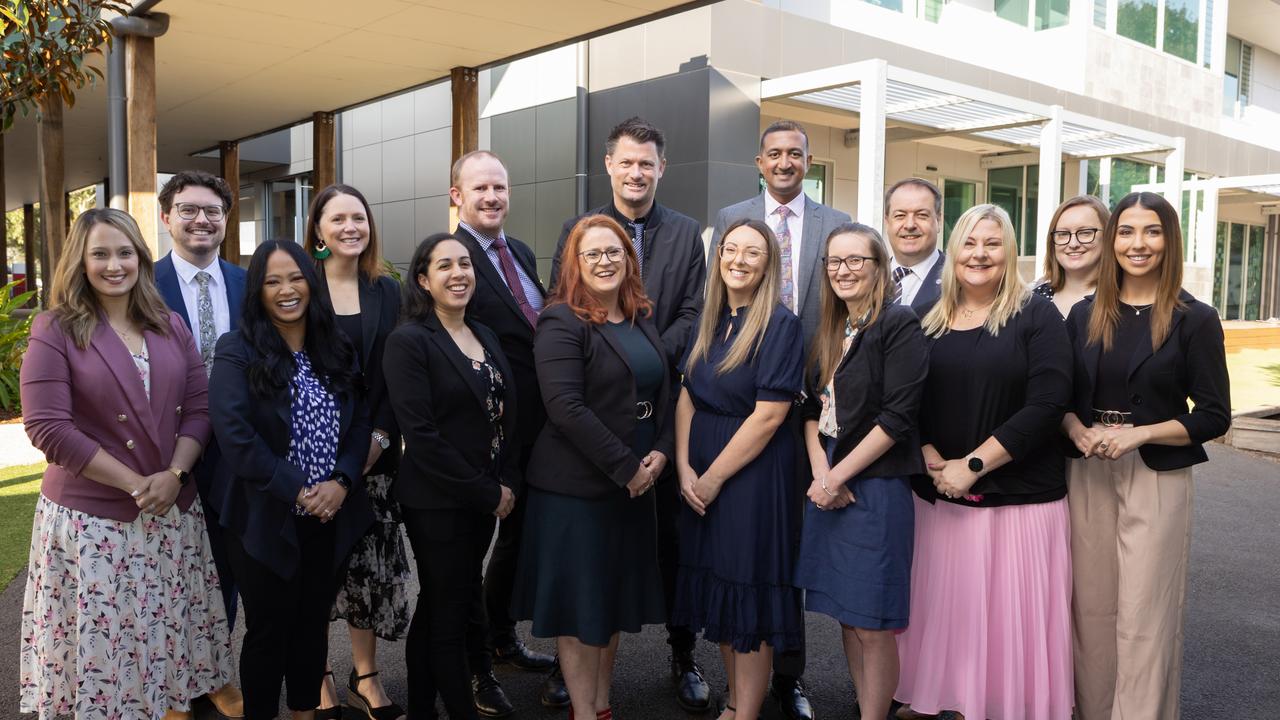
column 825, row 489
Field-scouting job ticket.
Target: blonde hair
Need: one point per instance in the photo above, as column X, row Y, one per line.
column 828, row 342
column 759, row 310
column 1011, row 295
column 72, row 300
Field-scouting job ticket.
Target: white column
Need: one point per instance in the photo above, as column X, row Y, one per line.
column 1082, row 187
column 1174, row 163
column 1104, row 180
column 871, row 119
column 1050, row 179
column 1206, row 228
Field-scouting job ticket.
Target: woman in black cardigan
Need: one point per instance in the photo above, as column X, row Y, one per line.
column 870, row 361
column 1143, row 345
column 588, row 559
column 990, row 627
column 451, row 389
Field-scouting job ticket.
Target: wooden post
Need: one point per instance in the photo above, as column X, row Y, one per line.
column 465, row 87
column 140, row 90
column 324, row 155
column 229, row 155
column 53, row 197
column 29, row 249
column 4, row 223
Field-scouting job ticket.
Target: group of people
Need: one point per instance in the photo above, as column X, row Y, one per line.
column 987, row 485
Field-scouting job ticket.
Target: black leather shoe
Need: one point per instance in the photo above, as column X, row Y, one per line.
column 517, row 654
column 554, row 693
column 791, row 698
column 692, row 692
column 490, row 700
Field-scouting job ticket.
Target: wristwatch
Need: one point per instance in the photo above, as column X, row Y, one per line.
column 975, row 464
column 384, row 442
column 183, row 476
column 342, row 479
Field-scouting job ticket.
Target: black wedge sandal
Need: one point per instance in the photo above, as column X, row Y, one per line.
column 335, row 712
column 361, row 704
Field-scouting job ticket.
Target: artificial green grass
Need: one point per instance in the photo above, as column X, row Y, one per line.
column 19, row 488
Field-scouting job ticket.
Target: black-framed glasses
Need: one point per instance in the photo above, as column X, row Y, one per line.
column 190, row 211
column 853, row 262
column 593, row 257
column 1084, row 236
column 751, row 256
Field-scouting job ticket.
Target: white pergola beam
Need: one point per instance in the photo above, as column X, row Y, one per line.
column 871, row 136
column 1174, row 164
column 1050, row 180
column 926, row 104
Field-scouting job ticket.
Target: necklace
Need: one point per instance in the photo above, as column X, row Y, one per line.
column 1137, row 309
column 968, row 313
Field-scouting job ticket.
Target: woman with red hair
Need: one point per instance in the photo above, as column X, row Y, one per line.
column 588, row 563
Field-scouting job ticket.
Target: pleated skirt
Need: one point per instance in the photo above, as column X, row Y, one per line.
column 990, row 627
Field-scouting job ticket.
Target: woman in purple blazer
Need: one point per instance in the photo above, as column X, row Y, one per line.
column 122, row 615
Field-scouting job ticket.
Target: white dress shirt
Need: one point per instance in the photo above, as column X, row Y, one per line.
column 795, row 223
column 912, row 281
column 190, row 291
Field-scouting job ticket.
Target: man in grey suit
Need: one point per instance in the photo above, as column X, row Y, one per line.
column 805, row 224
column 783, row 161
column 912, row 215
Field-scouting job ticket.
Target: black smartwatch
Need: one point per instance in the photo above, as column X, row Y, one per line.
column 975, row 464
column 342, row 479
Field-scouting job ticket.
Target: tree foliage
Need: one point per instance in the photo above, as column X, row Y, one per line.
column 44, row 47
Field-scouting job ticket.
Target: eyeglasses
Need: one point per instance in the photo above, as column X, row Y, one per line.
column 751, row 256
column 189, row 211
column 1084, row 236
column 853, row 262
column 593, row 257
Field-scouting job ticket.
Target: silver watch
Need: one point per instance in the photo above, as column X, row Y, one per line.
column 383, row 441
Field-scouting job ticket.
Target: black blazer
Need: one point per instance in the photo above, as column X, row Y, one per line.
column 674, row 272
column 439, row 402
column 1192, row 362
column 379, row 313
column 255, row 488
column 880, row 381
column 585, row 448
column 494, row 307
column 930, row 288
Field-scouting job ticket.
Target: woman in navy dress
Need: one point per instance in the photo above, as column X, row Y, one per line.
column 736, row 465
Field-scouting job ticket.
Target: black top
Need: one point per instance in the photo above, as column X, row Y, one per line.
column 646, row 363
column 585, row 448
column 255, row 487
column 1044, row 290
column 350, row 324
column 674, row 271
column 1013, row 386
column 1112, row 389
column 443, row 408
column 880, row 381
column 1191, row 362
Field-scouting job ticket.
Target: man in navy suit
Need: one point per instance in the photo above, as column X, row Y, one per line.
column 207, row 292
column 912, row 216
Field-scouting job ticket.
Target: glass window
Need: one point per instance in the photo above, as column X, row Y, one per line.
column 1124, row 175
column 1004, row 188
column 957, row 196
column 895, row 5
column 1236, row 74
column 1219, row 265
column 815, row 182
column 1235, row 262
column 1052, row 13
column 1136, row 20
column 1253, row 273
column 1027, row 236
column 1013, row 11
column 1100, row 14
column 933, row 10
column 1208, row 32
column 1181, row 28
column 1093, row 182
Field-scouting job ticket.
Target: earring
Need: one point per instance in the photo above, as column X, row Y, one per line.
column 321, row 252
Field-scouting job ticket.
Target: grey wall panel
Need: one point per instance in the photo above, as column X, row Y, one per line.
column 521, row 216
column 431, row 151
column 733, row 117
column 728, row 183
column 432, row 107
column 556, row 143
column 430, row 216
column 513, row 137
column 554, row 207
column 397, row 169
column 397, row 231
column 397, row 116
column 366, row 172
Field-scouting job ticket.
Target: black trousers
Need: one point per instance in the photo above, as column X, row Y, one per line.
column 790, row 665
column 491, row 623
column 286, row 622
column 217, row 542
column 449, row 548
column 667, row 495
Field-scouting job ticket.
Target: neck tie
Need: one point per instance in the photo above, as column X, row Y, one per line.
column 512, row 277
column 204, row 317
column 637, row 242
column 783, row 233
column 899, row 273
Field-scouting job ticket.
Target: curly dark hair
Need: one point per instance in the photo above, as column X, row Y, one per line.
column 186, row 179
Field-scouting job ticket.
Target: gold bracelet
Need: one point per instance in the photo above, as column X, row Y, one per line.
column 825, row 489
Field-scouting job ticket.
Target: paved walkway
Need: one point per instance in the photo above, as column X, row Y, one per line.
column 1232, row 643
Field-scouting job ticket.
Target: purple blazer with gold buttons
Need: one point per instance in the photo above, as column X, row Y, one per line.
column 75, row 402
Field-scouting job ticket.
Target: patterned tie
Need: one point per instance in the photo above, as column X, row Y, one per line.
column 899, row 273
column 783, row 233
column 204, row 313
column 508, row 264
column 637, row 242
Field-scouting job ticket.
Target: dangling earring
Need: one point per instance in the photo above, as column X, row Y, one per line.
column 321, row 252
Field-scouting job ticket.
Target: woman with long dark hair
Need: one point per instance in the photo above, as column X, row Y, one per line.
column 289, row 414
column 451, row 389
column 122, row 614
column 373, row 598
column 870, row 360
column 1143, row 345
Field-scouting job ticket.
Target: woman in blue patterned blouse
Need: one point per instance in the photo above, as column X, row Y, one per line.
column 295, row 433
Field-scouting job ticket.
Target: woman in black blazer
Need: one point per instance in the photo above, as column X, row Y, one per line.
column 1143, row 345
column 287, row 409
column 588, row 559
column 451, row 390
column 373, row 599
column 870, row 360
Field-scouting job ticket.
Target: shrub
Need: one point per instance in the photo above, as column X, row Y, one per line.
column 15, row 327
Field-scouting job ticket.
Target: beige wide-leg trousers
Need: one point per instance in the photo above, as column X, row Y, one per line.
column 1130, row 536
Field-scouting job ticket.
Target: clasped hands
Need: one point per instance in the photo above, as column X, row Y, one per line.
column 826, row 492
column 156, row 493
column 952, row 478
column 322, row 499
column 1110, row 443
column 651, row 467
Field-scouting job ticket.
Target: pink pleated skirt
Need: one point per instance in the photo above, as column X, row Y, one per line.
column 990, row 627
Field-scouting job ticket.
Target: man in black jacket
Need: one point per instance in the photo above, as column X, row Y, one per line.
column 673, row 268
column 507, row 300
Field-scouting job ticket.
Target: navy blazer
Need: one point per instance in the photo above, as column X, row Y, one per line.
column 255, row 488
column 1191, row 362
column 930, row 288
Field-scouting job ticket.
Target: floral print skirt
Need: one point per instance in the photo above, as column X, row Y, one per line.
column 375, row 596
column 120, row 619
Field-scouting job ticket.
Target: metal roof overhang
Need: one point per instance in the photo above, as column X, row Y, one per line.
column 938, row 106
